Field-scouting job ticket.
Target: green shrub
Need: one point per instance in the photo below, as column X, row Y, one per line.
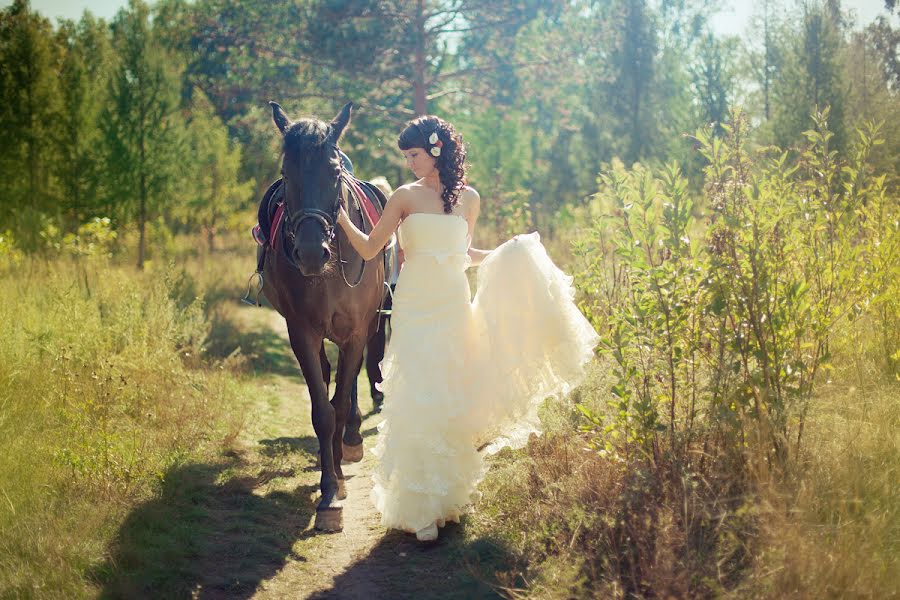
column 719, row 324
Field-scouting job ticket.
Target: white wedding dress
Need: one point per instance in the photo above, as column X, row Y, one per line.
column 460, row 372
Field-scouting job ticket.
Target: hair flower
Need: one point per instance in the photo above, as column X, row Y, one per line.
column 433, row 138
column 435, row 150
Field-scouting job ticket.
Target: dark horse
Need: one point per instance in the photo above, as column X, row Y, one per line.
column 323, row 289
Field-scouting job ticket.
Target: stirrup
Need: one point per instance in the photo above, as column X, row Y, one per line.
column 387, row 311
column 254, row 301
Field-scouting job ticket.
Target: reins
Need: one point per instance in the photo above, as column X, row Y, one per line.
column 342, row 202
column 329, row 223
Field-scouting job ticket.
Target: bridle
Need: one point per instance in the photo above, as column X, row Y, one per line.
column 328, row 221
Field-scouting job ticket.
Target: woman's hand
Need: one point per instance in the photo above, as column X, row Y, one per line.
column 368, row 246
column 342, row 217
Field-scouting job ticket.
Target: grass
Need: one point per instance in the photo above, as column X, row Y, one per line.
column 834, row 529
column 105, row 395
column 579, row 523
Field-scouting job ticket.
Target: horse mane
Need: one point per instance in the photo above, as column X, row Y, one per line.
column 305, row 135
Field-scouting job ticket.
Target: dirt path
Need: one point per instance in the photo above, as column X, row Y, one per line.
column 275, row 457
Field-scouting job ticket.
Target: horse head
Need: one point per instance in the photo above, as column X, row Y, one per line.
column 312, row 186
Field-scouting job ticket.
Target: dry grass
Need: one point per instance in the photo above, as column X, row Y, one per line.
column 578, row 523
column 833, row 531
column 104, row 388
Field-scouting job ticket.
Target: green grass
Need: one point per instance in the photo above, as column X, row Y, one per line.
column 105, row 393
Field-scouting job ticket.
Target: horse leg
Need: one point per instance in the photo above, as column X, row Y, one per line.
column 326, row 367
column 346, row 405
column 329, row 512
column 352, row 440
column 326, row 375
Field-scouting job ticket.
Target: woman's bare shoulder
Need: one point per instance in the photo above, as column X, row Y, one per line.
column 469, row 200
column 406, row 188
column 409, row 191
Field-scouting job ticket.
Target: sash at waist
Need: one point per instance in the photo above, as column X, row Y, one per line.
column 440, row 257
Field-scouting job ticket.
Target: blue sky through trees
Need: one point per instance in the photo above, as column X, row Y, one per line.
column 731, row 20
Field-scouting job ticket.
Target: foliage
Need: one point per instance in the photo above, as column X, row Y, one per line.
column 28, row 104
column 142, row 126
column 214, row 192
column 95, row 238
column 83, row 76
column 722, row 328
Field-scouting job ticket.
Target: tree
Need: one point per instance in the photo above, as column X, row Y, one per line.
column 28, row 107
column 216, row 192
column 83, row 80
column 142, row 126
column 811, row 76
column 713, row 80
column 872, row 97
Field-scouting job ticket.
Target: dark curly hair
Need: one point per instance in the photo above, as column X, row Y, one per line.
column 451, row 164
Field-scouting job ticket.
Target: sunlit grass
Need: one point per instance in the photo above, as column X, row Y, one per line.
column 577, row 523
column 836, row 531
column 103, row 390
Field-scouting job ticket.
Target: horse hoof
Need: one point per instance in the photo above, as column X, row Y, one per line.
column 330, row 519
column 342, row 490
column 353, row 454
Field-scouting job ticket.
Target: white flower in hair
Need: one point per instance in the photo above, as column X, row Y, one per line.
column 437, row 143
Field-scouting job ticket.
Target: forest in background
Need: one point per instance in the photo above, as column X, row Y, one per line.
column 158, row 119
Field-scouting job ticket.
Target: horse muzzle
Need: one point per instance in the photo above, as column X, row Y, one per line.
column 311, row 260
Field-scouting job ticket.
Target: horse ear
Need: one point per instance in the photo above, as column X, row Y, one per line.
column 340, row 122
column 280, row 117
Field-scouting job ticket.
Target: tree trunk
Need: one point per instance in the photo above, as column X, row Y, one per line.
column 213, row 200
column 142, row 210
column 142, row 220
column 766, row 66
column 420, row 100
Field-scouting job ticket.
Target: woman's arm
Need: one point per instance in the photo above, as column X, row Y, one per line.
column 368, row 246
column 478, row 255
column 473, row 209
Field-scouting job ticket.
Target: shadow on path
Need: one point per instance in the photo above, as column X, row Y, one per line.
column 208, row 534
column 401, row 567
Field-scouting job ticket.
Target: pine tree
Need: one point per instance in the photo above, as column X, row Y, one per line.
column 811, row 75
column 28, row 107
column 83, row 80
column 216, row 191
column 142, row 126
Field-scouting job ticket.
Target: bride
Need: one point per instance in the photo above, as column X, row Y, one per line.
column 460, row 373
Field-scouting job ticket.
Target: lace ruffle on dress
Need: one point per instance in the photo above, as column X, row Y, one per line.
column 461, row 372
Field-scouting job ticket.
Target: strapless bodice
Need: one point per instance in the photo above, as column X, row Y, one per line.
column 438, row 236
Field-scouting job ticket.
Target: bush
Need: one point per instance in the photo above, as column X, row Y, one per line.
column 720, row 325
column 727, row 317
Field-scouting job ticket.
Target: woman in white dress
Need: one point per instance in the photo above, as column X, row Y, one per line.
column 461, row 374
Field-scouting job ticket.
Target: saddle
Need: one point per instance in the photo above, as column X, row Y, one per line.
column 269, row 220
